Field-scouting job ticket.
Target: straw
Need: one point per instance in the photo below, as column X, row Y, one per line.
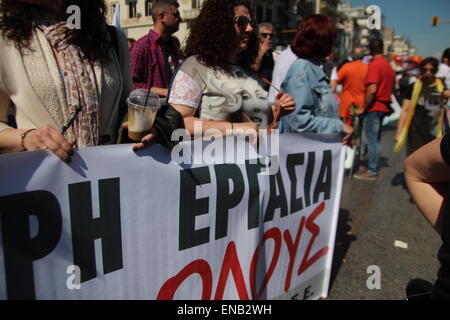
column 274, row 121
column 148, row 95
column 269, row 83
column 277, row 113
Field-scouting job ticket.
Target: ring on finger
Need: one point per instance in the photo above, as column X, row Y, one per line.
column 45, row 148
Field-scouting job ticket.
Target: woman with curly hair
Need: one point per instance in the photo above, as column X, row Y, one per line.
column 317, row 109
column 216, row 82
column 51, row 72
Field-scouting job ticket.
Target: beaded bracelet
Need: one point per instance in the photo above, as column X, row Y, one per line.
column 22, row 136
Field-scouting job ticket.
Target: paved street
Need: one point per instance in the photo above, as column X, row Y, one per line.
column 373, row 216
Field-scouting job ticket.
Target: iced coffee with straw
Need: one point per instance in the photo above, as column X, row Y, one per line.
column 142, row 109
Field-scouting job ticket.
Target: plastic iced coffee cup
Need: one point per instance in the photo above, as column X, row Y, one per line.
column 141, row 115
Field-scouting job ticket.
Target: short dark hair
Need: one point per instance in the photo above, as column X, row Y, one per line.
column 358, row 53
column 315, row 37
column 430, row 60
column 160, row 6
column 376, row 46
column 446, row 55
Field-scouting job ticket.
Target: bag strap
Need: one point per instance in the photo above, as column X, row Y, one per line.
column 122, row 133
column 114, row 40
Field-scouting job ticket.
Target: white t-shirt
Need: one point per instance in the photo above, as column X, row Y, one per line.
column 334, row 74
column 220, row 96
column 444, row 72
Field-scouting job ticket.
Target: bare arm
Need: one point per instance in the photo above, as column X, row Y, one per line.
column 160, row 91
column 370, row 95
column 191, row 122
column 284, row 104
column 264, row 46
column 427, row 175
column 403, row 116
column 46, row 137
column 333, row 85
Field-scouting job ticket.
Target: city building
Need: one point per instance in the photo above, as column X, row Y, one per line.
column 355, row 23
column 389, row 34
column 352, row 22
column 327, row 7
column 136, row 19
column 400, row 46
column 285, row 15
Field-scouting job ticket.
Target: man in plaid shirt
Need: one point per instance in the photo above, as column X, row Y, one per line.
column 155, row 56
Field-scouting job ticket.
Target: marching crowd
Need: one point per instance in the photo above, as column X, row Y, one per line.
column 226, row 77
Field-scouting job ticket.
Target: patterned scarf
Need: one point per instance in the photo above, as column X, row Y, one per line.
column 80, row 85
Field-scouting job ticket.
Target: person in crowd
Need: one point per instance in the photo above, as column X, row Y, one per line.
column 421, row 117
column 264, row 62
column 328, row 66
column 427, row 175
column 131, row 41
column 316, row 107
column 380, row 85
column 352, row 76
column 155, row 56
column 444, row 68
column 38, row 53
column 216, row 84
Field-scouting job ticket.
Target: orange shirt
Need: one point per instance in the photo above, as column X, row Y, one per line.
column 352, row 76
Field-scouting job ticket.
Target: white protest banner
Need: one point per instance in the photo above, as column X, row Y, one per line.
column 115, row 224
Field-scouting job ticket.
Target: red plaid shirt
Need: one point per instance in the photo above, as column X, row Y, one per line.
column 149, row 67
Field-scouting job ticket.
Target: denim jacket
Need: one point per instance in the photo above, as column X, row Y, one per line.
column 316, row 107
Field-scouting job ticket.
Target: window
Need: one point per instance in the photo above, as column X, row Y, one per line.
column 194, row 4
column 269, row 15
column 148, row 7
column 259, row 14
column 132, row 10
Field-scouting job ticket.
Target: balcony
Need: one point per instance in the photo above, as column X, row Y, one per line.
column 140, row 21
column 190, row 14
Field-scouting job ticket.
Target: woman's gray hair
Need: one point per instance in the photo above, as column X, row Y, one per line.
column 266, row 25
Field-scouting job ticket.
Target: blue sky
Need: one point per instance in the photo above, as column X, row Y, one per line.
column 412, row 18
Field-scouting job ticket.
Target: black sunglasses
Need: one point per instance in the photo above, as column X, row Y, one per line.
column 176, row 14
column 243, row 21
column 264, row 35
column 432, row 70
